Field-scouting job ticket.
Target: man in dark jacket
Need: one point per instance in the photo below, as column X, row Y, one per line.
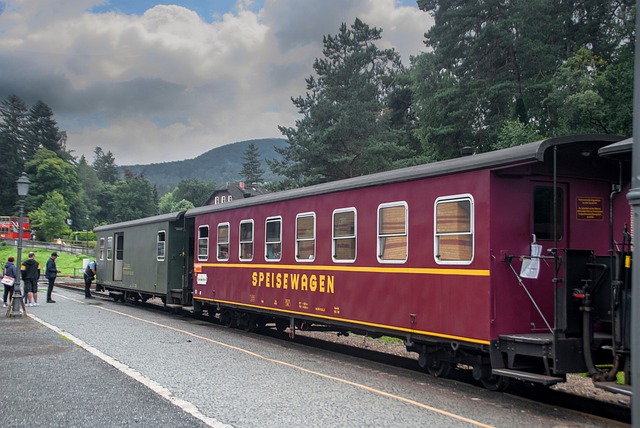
column 89, row 275
column 51, row 272
column 30, row 274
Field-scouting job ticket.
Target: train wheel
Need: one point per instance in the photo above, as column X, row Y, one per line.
column 496, row 383
column 226, row 318
column 439, row 368
column 246, row 322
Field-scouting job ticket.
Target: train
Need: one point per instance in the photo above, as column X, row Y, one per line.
column 9, row 226
column 513, row 263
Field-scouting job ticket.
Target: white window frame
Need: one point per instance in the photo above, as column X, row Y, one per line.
column 436, row 249
column 101, row 257
column 216, row 200
column 313, row 239
column 218, row 243
column 405, row 234
column 268, row 220
column 252, row 241
column 160, row 257
column 354, row 236
column 203, row 257
column 110, row 248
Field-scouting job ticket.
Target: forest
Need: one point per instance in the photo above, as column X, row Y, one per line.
column 494, row 74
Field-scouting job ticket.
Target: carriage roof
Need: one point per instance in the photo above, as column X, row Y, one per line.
column 531, row 152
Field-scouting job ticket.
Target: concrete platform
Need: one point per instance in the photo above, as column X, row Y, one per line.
column 48, row 381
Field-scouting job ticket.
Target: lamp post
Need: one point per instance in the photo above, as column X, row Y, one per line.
column 23, row 188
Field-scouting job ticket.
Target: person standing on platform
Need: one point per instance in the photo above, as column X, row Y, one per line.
column 89, row 275
column 30, row 275
column 51, row 272
column 10, row 271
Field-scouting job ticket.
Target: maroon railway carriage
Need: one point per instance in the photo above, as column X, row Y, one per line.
column 432, row 254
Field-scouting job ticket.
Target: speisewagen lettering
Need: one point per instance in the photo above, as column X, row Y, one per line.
column 294, row 281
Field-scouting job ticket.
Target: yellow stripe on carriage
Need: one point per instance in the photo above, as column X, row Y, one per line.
column 359, row 269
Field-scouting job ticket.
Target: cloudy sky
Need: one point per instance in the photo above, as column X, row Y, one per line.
column 159, row 81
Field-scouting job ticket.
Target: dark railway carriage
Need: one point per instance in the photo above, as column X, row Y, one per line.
column 146, row 258
column 433, row 254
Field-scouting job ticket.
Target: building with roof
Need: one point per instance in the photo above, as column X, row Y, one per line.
column 235, row 191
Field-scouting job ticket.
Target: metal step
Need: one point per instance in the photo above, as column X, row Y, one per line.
column 614, row 387
column 173, row 306
column 531, row 377
column 534, row 338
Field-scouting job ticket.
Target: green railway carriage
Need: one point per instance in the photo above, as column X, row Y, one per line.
column 145, row 258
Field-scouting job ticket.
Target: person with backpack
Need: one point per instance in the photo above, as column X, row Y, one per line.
column 89, row 276
column 30, row 274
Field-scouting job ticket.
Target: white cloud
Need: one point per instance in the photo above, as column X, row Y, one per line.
column 168, row 85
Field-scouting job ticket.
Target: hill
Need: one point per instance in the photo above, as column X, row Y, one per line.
column 220, row 165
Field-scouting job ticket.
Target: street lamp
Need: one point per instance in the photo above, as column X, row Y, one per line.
column 23, row 188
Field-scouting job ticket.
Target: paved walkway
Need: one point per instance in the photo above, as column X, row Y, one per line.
column 48, row 381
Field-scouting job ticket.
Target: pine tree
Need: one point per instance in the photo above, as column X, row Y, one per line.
column 346, row 129
column 251, row 168
column 105, row 166
column 42, row 131
column 13, row 117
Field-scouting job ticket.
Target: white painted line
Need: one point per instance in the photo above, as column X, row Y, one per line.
column 149, row 383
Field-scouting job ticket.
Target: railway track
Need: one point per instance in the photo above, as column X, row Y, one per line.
column 615, row 412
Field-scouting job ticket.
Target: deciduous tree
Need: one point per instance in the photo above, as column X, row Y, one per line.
column 47, row 173
column 50, row 219
column 134, row 197
column 493, row 62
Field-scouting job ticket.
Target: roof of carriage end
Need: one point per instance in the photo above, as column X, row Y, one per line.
column 621, row 149
column 175, row 216
column 526, row 153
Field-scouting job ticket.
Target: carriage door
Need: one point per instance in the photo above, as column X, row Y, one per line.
column 547, row 234
column 118, row 262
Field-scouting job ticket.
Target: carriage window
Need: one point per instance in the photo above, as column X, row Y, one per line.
column 161, row 245
column 109, row 248
column 454, row 230
column 392, row 233
column 543, row 213
column 203, row 243
column 344, row 235
column 306, row 237
column 246, row 240
column 120, row 247
column 101, row 254
column 223, row 242
column 273, row 239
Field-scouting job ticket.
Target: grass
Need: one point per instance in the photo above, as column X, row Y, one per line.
column 619, row 376
column 68, row 264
